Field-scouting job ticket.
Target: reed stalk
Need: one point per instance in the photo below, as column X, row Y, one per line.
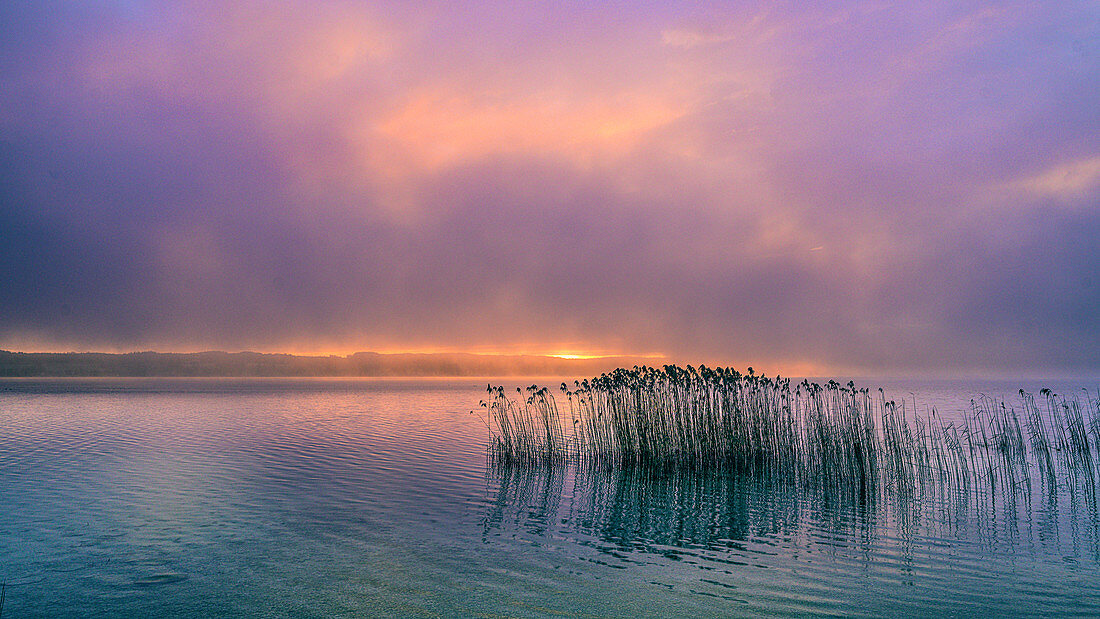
column 828, row 434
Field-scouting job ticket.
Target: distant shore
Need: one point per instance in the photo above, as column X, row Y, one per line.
column 242, row 364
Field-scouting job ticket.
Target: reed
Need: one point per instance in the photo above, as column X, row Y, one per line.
column 827, row 434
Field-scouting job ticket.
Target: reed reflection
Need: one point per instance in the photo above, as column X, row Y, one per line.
column 636, row 510
column 644, row 508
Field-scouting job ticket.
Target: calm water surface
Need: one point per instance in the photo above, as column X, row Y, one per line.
column 329, row 497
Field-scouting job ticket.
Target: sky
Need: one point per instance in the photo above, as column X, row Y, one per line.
column 797, row 186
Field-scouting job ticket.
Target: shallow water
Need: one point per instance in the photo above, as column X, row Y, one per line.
column 330, row 497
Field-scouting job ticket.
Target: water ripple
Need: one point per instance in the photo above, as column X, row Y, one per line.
column 236, row 498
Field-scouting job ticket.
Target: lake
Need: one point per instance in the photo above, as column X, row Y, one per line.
column 375, row 497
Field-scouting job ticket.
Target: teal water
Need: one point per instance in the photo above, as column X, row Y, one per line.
column 371, row 497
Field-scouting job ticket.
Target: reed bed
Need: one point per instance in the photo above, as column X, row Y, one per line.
column 826, row 434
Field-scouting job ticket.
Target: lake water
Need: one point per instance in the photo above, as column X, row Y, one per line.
column 374, row 497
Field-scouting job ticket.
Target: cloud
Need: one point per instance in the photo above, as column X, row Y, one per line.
column 843, row 187
column 1068, row 181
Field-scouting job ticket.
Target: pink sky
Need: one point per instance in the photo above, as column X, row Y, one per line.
column 827, row 186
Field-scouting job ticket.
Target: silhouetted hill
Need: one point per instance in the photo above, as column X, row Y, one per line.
column 216, row 363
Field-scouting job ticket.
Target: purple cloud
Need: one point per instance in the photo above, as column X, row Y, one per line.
column 817, row 187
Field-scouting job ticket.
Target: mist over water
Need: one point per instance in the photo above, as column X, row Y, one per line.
column 315, row 497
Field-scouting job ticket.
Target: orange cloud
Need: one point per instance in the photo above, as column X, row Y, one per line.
column 439, row 127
